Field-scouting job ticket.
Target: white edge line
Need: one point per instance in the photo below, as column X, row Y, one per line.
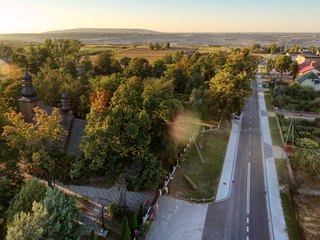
column 248, row 188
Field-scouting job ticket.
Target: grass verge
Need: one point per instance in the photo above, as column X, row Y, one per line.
column 275, row 132
column 290, row 218
column 206, row 177
column 267, row 98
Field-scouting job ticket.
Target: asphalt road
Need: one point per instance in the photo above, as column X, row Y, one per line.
column 244, row 214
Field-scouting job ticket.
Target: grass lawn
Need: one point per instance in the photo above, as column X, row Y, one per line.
column 282, row 171
column 290, row 218
column 275, row 132
column 267, row 98
column 213, row 49
column 287, row 205
column 206, row 177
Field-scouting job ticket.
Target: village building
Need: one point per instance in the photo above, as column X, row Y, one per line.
column 311, row 79
column 75, row 127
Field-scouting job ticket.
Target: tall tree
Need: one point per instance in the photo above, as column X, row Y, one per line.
column 139, row 67
column 294, row 69
column 282, row 63
column 32, row 191
column 269, row 65
column 125, row 235
column 106, row 64
column 230, row 91
column 63, row 219
column 38, row 143
column 28, row 226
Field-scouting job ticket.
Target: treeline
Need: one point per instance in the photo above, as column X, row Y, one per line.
column 271, row 48
column 158, row 46
column 130, row 105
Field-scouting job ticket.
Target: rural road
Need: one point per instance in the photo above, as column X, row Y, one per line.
column 244, row 215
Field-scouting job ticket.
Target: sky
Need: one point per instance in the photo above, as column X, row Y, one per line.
column 34, row 16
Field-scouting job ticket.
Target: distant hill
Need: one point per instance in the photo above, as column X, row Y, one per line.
column 143, row 36
column 102, row 31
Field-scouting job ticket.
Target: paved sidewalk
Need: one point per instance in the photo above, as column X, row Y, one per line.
column 177, row 220
column 226, row 178
column 276, row 217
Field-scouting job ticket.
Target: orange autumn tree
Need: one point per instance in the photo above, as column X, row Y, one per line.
column 100, row 100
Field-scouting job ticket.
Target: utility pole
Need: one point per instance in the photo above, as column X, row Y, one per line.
column 285, row 144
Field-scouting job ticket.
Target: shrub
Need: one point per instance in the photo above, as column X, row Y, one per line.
column 115, row 210
column 133, row 221
column 144, row 228
column 32, row 191
column 191, row 183
column 141, row 213
column 125, row 229
column 93, row 235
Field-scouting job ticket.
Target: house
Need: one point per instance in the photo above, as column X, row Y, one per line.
column 310, row 79
column 305, row 67
column 309, row 59
column 75, row 127
column 293, row 55
column 277, row 75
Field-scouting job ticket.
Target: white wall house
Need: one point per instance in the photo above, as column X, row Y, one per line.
column 310, row 79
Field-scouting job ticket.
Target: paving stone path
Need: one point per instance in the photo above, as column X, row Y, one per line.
column 102, row 197
column 105, row 196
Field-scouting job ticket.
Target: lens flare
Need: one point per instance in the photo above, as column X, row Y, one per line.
column 185, row 126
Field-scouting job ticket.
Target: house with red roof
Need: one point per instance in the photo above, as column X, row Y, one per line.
column 305, row 67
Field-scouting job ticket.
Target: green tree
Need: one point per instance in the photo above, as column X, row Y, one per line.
column 273, row 48
column 63, row 219
column 269, row 65
column 157, row 46
column 159, row 67
column 230, row 91
column 294, row 69
column 133, row 221
column 167, row 45
column 151, row 46
column 125, row 61
column 125, row 235
column 19, row 58
column 179, row 77
column 10, row 176
column 255, row 47
column 5, row 51
column 240, row 61
column 133, row 131
column 105, row 64
column 306, row 156
column 141, row 214
column 93, row 235
column 282, row 63
column 38, row 143
column 28, row 226
column 139, row 67
column 32, row 191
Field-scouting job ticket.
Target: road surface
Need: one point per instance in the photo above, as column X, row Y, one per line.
column 244, row 215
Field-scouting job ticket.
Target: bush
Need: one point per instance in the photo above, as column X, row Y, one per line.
column 32, row 191
column 93, row 235
column 191, row 183
column 115, row 211
column 144, row 228
column 141, row 213
column 125, row 229
column 133, row 221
